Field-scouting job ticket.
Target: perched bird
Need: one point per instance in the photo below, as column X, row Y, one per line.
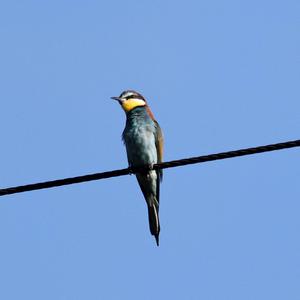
column 143, row 139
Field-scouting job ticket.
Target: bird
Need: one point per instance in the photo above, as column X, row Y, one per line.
column 143, row 139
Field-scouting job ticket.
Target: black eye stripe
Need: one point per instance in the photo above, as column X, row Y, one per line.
column 130, row 94
column 134, row 96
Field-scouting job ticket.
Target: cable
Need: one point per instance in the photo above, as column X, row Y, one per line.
column 165, row 165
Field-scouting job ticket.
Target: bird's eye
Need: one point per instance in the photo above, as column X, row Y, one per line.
column 133, row 97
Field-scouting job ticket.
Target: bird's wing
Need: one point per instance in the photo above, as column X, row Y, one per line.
column 159, row 143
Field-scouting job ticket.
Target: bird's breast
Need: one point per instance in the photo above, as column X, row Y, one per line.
column 139, row 138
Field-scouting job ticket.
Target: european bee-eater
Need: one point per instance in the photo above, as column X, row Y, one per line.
column 144, row 145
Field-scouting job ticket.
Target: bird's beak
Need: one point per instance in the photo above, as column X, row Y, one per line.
column 117, row 98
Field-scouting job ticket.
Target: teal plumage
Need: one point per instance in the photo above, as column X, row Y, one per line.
column 143, row 139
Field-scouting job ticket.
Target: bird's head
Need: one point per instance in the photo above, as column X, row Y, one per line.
column 130, row 99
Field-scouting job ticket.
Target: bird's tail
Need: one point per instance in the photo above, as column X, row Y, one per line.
column 154, row 220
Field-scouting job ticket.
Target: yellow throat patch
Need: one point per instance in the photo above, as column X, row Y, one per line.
column 130, row 104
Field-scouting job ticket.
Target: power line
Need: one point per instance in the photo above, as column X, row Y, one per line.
column 165, row 165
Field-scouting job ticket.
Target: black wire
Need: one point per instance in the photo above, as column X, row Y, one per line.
column 165, row 165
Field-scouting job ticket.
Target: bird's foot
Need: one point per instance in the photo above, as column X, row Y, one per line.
column 130, row 172
column 150, row 166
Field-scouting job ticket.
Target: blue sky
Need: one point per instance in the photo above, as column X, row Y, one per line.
column 218, row 75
